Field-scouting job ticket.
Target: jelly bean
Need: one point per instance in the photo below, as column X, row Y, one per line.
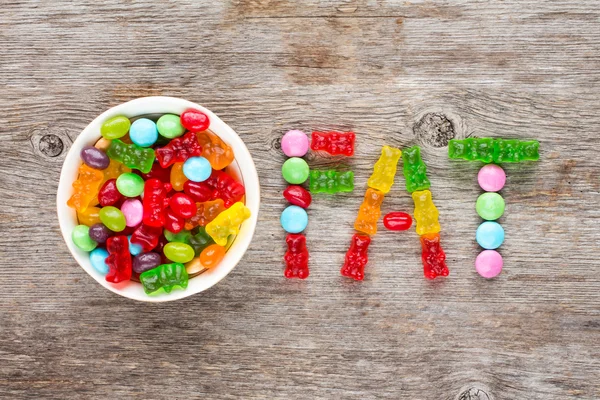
column 294, row 219
column 134, row 248
column 178, row 252
column 491, row 178
column 212, row 255
column 109, row 194
column 294, row 143
column 130, row 184
column 197, row 169
column 298, row 196
column 397, row 221
column 115, row 127
column 169, row 126
column 489, row 263
column 146, row 261
column 98, row 260
column 194, row 120
column 295, row 170
column 82, row 239
column 143, row 132
column 490, row 206
column 177, row 177
column 133, row 211
column 89, row 216
column 173, row 222
column 102, row 144
column 490, row 235
column 194, row 266
column 94, row 158
column 182, row 205
column 181, row 237
column 113, row 218
column 99, row 233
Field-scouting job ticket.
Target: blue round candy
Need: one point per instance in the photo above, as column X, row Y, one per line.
column 98, row 260
column 143, row 132
column 294, row 219
column 134, row 248
column 490, row 235
column 197, row 169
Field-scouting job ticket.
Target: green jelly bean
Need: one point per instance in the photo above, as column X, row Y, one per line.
column 490, row 206
column 178, row 252
column 181, row 237
column 81, row 238
column 130, row 184
column 295, row 170
column 115, row 127
column 169, row 126
column 200, row 240
column 113, row 218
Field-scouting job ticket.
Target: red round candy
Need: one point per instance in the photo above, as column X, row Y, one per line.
column 182, row 205
column 173, row 222
column 397, row 221
column 109, row 194
column 194, row 120
column 297, row 196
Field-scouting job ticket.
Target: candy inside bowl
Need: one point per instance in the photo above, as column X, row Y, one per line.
column 161, row 185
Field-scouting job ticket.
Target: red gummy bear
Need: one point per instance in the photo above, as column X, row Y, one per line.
column 356, row 257
column 146, row 236
column 157, row 172
column 334, row 143
column 109, row 194
column 296, row 257
column 218, row 186
column 433, row 256
column 155, row 201
column 179, row 150
column 118, row 260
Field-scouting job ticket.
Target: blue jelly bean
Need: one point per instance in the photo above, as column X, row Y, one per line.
column 197, row 169
column 98, row 260
column 294, row 219
column 134, row 249
column 490, row 235
column 143, row 132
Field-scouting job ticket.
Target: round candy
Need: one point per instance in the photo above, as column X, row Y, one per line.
column 179, row 252
column 98, row 260
column 397, row 221
column 94, row 158
column 295, row 170
column 82, row 239
column 113, row 218
column 294, row 219
column 490, row 235
column 197, row 169
column 294, row 143
column 212, row 255
column 130, row 184
column 489, row 263
column 490, row 206
column 115, row 127
column 133, row 210
column 169, row 126
column 143, row 132
column 491, row 178
column 146, row 261
column 183, row 205
column 134, row 248
column 194, row 120
column 99, row 233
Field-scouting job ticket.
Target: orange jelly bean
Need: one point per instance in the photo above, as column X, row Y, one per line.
column 216, row 151
column 205, row 212
column 212, row 255
column 89, row 216
column 177, row 177
column 86, row 188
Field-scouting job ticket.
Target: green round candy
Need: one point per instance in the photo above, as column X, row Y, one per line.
column 490, row 206
column 178, row 252
column 295, row 170
column 113, row 218
column 169, row 126
column 181, row 237
column 115, row 128
column 130, row 184
column 81, row 238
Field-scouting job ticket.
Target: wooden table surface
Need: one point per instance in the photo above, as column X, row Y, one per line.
column 395, row 72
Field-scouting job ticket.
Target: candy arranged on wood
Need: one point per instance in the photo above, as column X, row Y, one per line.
column 356, row 257
column 415, row 170
column 297, row 196
column 384, row 170
column 331, row 181
column 433, row 256
column 490, row 150
column 426, row 213
column 334, row 143
column 369, row 212
column 294, row 143
column 296, row 257
column 397, row 221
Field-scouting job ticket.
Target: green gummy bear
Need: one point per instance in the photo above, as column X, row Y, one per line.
column 164, row 276
column 489, row 150
column 415, row 170
column 131, row 155
column 200, row 240
column 331, row 181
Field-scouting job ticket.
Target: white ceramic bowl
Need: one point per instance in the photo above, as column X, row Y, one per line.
column 243, row 163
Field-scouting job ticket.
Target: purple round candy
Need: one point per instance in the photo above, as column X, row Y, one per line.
column 94, row 158
column 491, row 178
column 145, row 261
column 99, row 233
column 294, row 143
column 489, row 263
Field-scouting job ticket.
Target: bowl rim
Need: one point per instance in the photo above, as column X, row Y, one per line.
column 67, row 216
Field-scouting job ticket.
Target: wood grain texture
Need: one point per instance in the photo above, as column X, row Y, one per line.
column 524, row 69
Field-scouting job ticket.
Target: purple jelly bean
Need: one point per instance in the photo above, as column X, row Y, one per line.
column 146, row 261
column 94, row 158
column 99, row 233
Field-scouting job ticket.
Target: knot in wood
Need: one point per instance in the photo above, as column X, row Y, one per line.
column 51, row 145
column 434, row 129
column 474, row 394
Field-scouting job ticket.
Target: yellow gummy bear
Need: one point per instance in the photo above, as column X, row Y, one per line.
column 384, row 170
column 426, row 214
column 227, row 223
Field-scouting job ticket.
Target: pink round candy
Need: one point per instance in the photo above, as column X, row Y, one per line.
column 489, row 263
column 294, row 143
column 491, row 178
column 133, row 211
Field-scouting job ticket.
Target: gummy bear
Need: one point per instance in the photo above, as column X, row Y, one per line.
column 165, row 276
column 369, row 212
column 490, row 150
column 146, row 236
column 334, row 143
column 216, row 151
column 433, row 256
column 426, row 214
column 155, row 202
column 384, row 170
column 219, row 185
column 86, row 188
column 178, row 150
column 118, row 260
column 205, row 212
column 227, row 223
column 132, row 155
column 356, row 257
column 331, row 181
column 296, row 257
column 415, row 170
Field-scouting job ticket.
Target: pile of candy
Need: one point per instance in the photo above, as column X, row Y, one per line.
column 155, row 201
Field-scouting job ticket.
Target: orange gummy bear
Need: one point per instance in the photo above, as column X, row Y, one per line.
column 205, row 212
column 216, row 151
column 369, row 212
column 86, row 188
